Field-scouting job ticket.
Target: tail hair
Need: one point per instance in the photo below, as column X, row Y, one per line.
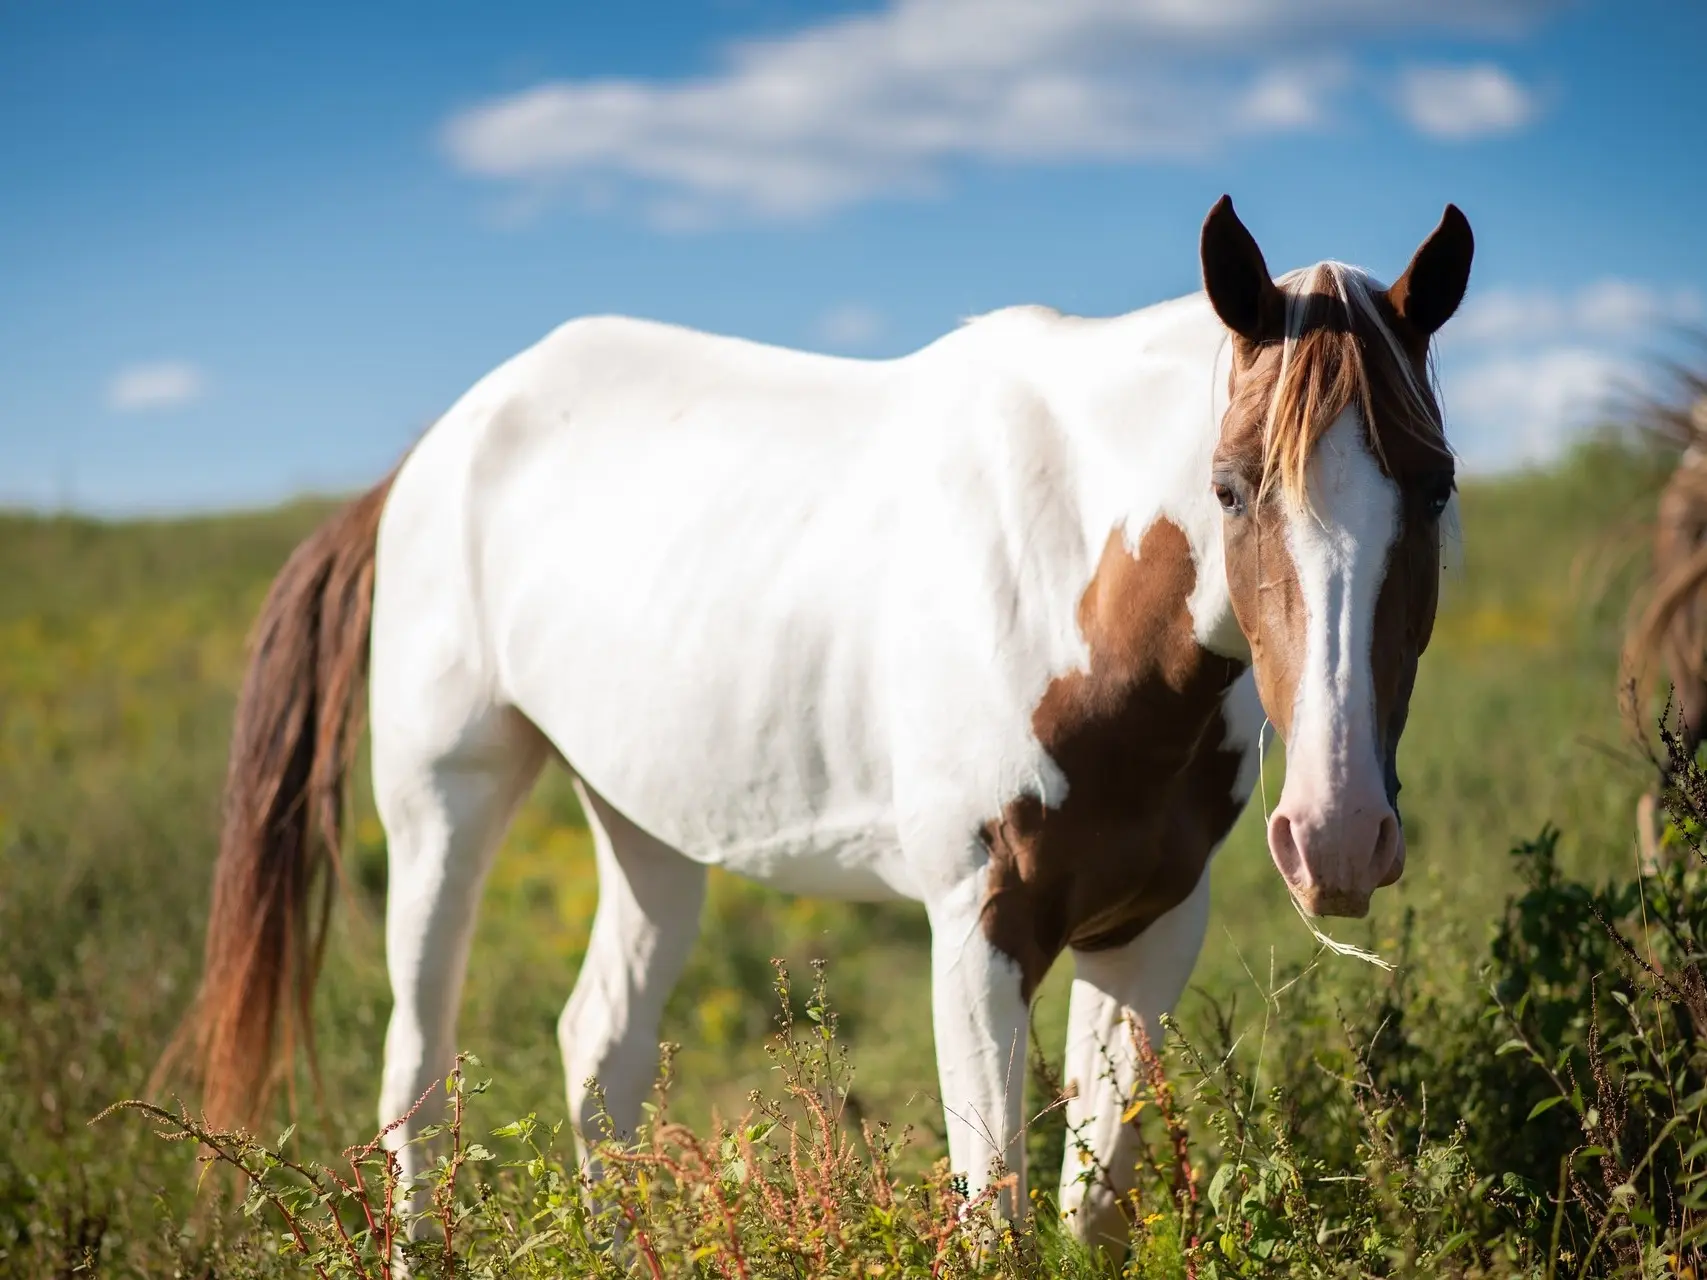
column 299, row 718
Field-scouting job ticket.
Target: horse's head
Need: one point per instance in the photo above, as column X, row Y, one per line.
column 1333, row 472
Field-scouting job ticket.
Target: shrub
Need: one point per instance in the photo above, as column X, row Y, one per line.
column 787, row 1191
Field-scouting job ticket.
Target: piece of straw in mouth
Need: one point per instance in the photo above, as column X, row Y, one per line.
column 1332, row 944
column 1337, row 947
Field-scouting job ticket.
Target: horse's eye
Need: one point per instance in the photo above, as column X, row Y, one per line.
column 1437, row 492
column 1229, row 498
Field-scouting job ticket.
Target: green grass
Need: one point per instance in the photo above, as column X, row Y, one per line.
column 121, row 647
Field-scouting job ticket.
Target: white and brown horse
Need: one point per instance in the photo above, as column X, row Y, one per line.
column 992, row 627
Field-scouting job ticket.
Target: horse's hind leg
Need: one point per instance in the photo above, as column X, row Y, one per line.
column 445, row 809
column 647, row 920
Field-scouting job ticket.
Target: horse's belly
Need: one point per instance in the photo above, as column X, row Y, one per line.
column 761, row 789
column 757, row 784
column 859, row 865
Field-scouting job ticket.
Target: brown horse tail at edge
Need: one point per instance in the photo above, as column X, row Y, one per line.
column 298, row 720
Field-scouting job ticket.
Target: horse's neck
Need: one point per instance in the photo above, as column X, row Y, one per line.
column 1141, row 397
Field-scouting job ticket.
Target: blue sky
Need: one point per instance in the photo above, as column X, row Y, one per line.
column 247, row 251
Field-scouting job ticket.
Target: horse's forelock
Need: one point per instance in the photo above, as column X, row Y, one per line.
column 1341, row 348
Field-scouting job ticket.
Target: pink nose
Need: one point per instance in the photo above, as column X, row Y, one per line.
column 1334, row 861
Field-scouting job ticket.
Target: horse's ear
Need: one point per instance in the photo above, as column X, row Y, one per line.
column 1236, row 278
column 1433, row 285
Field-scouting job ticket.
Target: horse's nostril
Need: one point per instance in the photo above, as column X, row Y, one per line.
column 1339, row 858
column 1389, row 858
column 1283, row 847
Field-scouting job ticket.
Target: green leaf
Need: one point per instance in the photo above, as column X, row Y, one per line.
column 1546, row 1104
column 530, row 1244
column 284, row 1138
column 1218, row 1184
column 1453, row 1243
column 1694, row 1102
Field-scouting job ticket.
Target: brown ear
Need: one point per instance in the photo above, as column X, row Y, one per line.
column 1433, row 285
column 1236, row 278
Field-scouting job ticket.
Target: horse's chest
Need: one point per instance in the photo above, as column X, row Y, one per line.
column 1141, row 738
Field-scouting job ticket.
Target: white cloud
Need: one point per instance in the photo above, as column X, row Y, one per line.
column 1524, row 371
column 1624, row 307
column 1461, row 103
column 888, row 102
column 850, row 327
column 1609, row 308
column 162, row 384
column 1525, row 407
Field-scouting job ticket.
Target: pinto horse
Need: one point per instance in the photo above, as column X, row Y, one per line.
column 993, row 627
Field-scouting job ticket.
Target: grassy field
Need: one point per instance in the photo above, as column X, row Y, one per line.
column 121, row 646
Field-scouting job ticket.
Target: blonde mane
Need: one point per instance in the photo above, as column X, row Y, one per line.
column 1340, row 349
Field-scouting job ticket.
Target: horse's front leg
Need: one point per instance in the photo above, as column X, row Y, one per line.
column 979, row 1015
column 1141, row 980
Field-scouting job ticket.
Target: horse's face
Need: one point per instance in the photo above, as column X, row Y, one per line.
column 1331, row 531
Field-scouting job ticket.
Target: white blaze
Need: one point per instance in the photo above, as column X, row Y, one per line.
column 1335, row 794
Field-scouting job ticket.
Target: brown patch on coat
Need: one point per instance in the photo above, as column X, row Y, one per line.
column 298, row 720
column 1140, row 738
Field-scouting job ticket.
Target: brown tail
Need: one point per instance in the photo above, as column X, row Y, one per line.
column 298, row 720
